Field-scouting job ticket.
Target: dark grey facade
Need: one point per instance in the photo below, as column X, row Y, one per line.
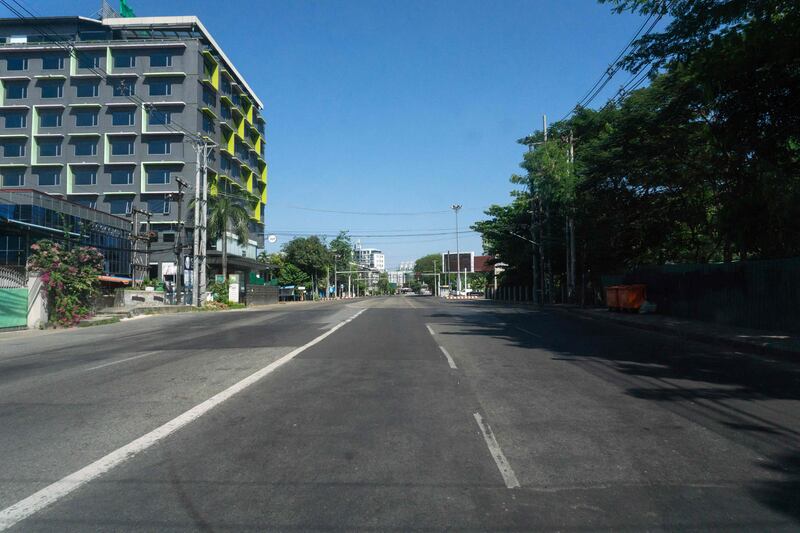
column 104, row 113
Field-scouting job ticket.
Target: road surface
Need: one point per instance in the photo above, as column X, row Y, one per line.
column 394, row 413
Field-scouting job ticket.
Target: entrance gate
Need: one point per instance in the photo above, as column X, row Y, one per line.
column 13, row 297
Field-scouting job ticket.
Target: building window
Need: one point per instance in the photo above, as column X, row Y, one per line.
column 167, row 237
column 158, row 176
column 125, row 87
column 49, row 148
column 208, row 124
column 209, row 98
column 226, row 85
column 158, row 146
column 91, row 203
column 160, row 59
column 86, row 147
column 124, row 60
column 50, row 119
column 16, row 90
column 52, row 89
column 87, row 89
column 52, row 62
column 159, row 117
column 14, row 149
column 120, row 206
column 226, row 112
column 86, row 60
column 160, row 88
column 85, row 176
column 158, row 205
column 16, row 120
column 122, row 176
column 49, row 177
column 122, row 117
column 13, row 177
column 121, row 146
column 17, row 63
column 86, row 117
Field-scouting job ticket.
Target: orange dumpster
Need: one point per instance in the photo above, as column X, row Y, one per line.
column 626, row 297
column 631, row 297
column 612, row 297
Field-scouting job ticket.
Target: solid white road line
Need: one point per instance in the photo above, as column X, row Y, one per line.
column 528, row 332
column 122, row 360
column 430, row 329
column 54, row 492
column 497, row 454
column 449, row 359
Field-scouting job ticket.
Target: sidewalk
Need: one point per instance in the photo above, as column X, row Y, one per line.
column 752, row 340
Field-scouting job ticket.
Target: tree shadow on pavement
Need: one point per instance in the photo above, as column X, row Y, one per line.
column 784, row 495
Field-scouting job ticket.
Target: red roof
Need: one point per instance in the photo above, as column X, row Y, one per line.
column 482, row 263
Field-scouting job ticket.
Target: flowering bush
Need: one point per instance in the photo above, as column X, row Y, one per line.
column 70, row 277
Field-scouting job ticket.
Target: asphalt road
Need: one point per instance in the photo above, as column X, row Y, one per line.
column 399, row 413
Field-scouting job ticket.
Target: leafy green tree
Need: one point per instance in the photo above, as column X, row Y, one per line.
column 383, row 283
column 291, row 275
column 310, row 255
column 228, row 213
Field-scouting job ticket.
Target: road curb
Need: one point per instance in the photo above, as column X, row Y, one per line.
column 748, row 346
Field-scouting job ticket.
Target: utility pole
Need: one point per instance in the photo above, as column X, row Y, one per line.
column 196, row 232
column 436, row 280
column 571, row 223
column 204, row 223
column 141, row 258
column 179, row 244
column 456, row 208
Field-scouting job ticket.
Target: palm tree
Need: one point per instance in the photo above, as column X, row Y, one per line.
column 227, row 213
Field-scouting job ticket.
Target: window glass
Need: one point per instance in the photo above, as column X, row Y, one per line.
column 49, row 176
column 85, row 176
column 87, row 89
column 158, row 176
column 52, row 62
column 49, row 148
column 120, row 206
column 124, row 87
column 13, row 177
column 122, row 146
column 122, row 117
column 160, row 117
column 86, row 147
column 167, row 237
column 87, row 60
column 158, row 205
column 160, row 59
column 209, row 98
column 52, row 89
column 124, row 60
column 160, row 88
column 208, row 124
column 17, row 63
column 226, row 112
column 49, row 119
column 158, row 146
column 86, row 117
column 16, row 90
column 14, row 149
column 86, row 202
column 122, row 176
column 16, row 120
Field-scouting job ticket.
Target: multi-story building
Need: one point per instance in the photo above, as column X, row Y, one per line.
column 371, row 258
column 107, row 113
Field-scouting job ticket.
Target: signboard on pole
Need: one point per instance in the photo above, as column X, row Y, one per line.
column 458, row 262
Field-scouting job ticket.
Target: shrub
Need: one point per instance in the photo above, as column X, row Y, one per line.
column 70, row 277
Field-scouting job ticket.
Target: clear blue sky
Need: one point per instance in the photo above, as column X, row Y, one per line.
column 400, row 106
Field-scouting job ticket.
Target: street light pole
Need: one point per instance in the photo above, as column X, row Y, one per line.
column 456, row 208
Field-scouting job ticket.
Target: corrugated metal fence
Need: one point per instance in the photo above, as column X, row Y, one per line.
column 757, row 294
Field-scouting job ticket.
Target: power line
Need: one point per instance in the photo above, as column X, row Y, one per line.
column 616, row 64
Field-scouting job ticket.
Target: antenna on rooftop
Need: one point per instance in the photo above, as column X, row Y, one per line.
column 106, row 11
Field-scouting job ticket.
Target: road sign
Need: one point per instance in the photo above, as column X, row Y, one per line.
column 272, row 239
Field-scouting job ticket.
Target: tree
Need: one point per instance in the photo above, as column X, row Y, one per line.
column 383, row 283
column 310, row 255
column 291, row 275
column 227, row 213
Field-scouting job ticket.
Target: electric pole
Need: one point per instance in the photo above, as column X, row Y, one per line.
column 179, row 244
column 456, row 208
